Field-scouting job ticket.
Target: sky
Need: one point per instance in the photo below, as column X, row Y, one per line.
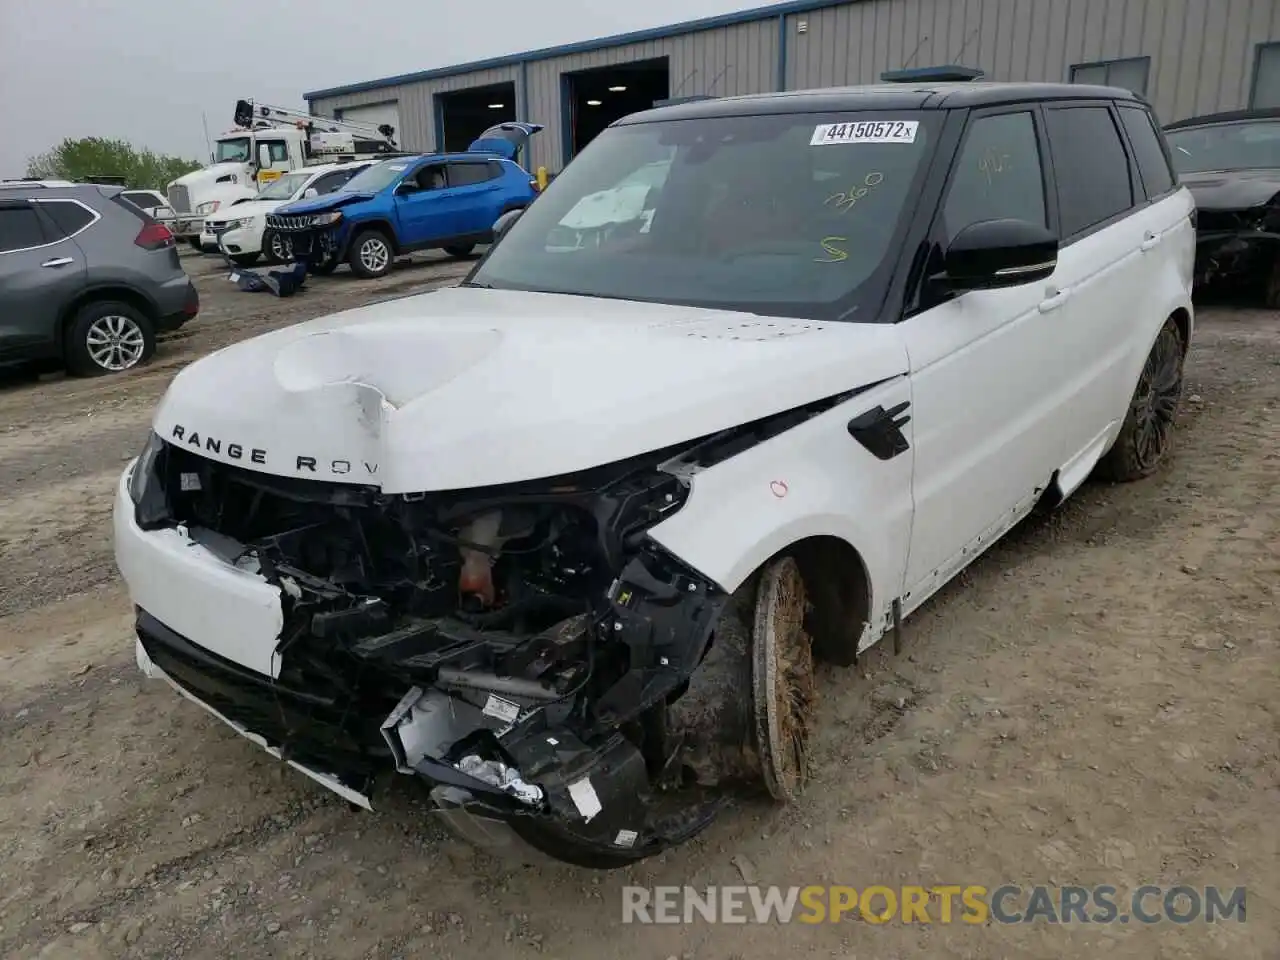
column 145, row 70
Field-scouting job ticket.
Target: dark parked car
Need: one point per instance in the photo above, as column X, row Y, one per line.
column 87, row 279
column 1231, row 163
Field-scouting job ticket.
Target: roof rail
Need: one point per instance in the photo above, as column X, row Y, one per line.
column 672, row 101
column 942, row 74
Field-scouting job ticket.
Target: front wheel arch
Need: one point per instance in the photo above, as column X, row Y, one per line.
column 839, row 589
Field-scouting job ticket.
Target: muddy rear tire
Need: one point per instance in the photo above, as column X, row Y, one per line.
column 1146, row 436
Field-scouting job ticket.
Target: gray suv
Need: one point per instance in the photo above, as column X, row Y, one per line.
column 87, row 279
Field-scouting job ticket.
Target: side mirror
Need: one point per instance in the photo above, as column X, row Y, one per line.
column 264, row 156
column 310, row 193
column 406, row 187
column 504, row 222
column 993, row 254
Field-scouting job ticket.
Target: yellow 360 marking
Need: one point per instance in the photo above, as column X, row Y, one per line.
column 845, row 200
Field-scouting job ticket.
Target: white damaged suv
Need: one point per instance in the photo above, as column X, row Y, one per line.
column 564, row 542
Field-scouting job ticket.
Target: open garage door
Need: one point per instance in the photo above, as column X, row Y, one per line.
column 599, row 96
column 466, row 114
column 374, row 113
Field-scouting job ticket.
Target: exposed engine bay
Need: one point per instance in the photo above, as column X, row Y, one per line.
column 528, row 650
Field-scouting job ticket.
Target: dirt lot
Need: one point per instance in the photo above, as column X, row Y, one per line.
column 1095, row 702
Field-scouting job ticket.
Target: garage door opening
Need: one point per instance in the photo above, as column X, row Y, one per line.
column 596, row 98
column 465, row 114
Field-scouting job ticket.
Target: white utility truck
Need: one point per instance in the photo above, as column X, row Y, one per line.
column 266, row 143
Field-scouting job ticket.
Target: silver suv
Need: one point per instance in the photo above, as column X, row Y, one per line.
column 87, row 279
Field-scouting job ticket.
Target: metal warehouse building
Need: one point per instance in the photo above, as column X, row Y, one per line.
column 1188, row 57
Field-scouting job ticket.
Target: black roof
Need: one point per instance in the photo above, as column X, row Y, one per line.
column 1271, row 113
column 888, row 96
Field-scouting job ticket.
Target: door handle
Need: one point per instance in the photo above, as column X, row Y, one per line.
column 1054, row 301
column 57, row 262
column 1149, row 242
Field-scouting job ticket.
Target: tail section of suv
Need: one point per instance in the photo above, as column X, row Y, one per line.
column 87, row 280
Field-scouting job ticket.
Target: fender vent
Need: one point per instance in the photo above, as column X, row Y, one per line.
column 880, row 430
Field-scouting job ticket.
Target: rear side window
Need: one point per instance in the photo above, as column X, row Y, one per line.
column 997, row 175
column 70, row 218
column 1153, row 162
column 465, row 174
column 1091, row 167
column 19, row 229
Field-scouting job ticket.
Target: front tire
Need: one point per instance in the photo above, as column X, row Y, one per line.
column 1146, row 435
column 108, row 337
column 371, row 255
column 277, row 246
column 460, row 250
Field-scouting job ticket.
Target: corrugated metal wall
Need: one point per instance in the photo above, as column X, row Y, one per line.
column 417, row 104
column 1202, row 54
column 730, row 60
column 1202, row 51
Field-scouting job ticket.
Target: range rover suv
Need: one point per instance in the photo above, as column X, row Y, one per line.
column 563, row 543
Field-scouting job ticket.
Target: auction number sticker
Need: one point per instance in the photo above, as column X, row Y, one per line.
column 865, row 131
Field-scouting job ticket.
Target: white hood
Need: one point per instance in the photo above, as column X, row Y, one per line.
column 465, row 387
column 202, row 185
column 207, row 176
column 249, row 208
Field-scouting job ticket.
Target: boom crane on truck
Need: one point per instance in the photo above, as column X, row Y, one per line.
column 267, row 142
column 325, row 136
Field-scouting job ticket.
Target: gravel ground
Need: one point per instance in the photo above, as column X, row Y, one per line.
column 1093, row 702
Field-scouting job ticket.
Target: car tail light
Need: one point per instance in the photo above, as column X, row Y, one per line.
column 154, row 236
column 533, row 182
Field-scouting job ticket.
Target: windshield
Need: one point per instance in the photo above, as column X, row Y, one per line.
column 1251, row 145
column 285, row 187
column 235, row 151
column 374, row 178
column 794, row 215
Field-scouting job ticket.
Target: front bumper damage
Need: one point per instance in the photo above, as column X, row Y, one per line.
column 528, row 682
column 307, row 241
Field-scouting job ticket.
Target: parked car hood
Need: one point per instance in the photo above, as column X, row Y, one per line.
column 1232, row 189
column 330, row 201
column 467, row 387
column 246, row 208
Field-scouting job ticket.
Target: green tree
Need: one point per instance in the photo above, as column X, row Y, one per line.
column 90, row 157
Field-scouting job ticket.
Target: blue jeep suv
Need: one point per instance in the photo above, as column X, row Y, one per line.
column 396, row 206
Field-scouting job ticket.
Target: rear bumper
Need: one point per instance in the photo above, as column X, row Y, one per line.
column 178, row 303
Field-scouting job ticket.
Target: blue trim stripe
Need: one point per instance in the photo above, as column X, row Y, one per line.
column 755, row 14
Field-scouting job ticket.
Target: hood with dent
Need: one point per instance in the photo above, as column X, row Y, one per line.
column 465, row 387
column 1232, row 189
column 330, row 201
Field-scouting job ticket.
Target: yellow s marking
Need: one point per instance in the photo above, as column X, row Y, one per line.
column 834, row 253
